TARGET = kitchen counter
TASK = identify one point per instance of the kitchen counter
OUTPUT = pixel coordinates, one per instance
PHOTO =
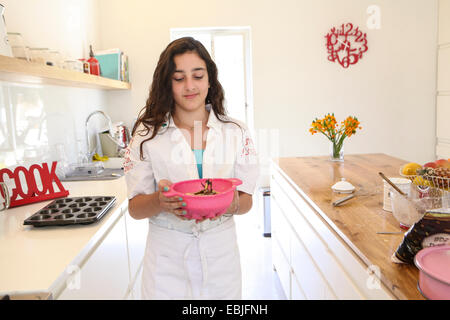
(36, 259)
(357, 221)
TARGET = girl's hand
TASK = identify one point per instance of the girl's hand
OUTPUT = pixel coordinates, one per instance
(234, 206)
(232, 209)
(173, 204)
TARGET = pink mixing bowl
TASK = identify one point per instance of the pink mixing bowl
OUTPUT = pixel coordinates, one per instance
(209, 206)
(434, 277)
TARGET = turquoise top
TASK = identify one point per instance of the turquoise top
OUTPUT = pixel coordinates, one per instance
(199, 158)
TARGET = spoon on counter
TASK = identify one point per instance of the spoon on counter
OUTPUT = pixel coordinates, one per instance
(388, 232)
(340, 201)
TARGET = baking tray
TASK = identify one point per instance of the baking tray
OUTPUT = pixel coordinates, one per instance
(72, 210)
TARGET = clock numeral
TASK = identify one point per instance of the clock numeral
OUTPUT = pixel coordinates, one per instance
(339, 44)
(350, 27)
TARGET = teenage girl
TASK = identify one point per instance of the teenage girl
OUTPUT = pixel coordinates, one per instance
(183, 133)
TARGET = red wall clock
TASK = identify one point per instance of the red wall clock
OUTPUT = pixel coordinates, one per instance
(346, 44)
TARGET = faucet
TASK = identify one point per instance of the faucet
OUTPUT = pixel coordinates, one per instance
(89, 152)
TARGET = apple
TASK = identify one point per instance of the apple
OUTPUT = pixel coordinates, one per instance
(430, 165)
(442, 163)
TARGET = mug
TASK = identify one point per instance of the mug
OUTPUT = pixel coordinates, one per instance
(5, 193)
(402, 183)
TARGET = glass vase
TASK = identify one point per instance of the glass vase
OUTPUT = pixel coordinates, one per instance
(336, 151)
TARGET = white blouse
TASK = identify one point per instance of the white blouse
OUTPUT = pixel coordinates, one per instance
(229, 153)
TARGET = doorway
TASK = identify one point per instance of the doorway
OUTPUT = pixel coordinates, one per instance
(230, 48)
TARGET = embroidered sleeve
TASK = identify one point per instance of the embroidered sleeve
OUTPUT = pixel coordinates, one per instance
(247, 163)
(139, 173)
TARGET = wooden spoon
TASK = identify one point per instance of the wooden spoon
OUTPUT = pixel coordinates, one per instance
(392, 184)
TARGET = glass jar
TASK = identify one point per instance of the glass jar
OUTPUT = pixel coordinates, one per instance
(79, 66)
(15, 39)
(74, 65)
(61, 157)
(18, 47)
(69, 64)
(20, 53)
(55, 58)
(39, 55)
(86, 67)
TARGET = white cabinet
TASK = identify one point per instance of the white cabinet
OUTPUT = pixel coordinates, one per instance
(281, 247)
(114, 269)
(442, 127)
(444, 21)
(320, 265)
(443, 70)
(296, 290)
(443, 82)
(134, 292)
(105, 274)
(442, 117)
(136, 238)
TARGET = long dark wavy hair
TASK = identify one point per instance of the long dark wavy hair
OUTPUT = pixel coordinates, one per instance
(161, 102)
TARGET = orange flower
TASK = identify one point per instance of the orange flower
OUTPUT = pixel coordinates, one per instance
(328, 126)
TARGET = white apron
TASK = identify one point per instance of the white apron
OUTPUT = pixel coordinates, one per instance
(198, 265)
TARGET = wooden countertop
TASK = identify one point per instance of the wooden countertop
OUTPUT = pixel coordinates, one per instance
(358, 220)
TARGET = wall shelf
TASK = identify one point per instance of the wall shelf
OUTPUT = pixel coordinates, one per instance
(18, 70)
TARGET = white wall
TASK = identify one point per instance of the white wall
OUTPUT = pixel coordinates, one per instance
(391, 90)
(443, 82)
(58, 112)
(69, 27)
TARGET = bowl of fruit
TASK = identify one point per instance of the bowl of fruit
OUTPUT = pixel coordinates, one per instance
(205, 198)
(432, 174)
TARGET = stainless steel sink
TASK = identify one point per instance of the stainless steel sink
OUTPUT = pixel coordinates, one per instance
(105, 174)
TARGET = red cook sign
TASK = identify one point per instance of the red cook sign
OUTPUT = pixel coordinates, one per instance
(30, 193)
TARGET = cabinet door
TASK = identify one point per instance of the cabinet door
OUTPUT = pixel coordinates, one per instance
(442, 116)
(442, 127)
(443, 83)
(281, 246)
(105, 274)
(307, 274)
(444, 21)
(296, 290)
(280, 227)
(137, 238)
(137, 285)
(443, 150)
(134, 292)
(281, 267)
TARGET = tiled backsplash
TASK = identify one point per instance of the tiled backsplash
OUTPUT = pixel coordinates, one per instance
(37, 120)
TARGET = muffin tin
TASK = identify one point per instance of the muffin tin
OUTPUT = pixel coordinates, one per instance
(74, 210)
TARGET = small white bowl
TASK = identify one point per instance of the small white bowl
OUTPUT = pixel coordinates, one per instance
(343, 187)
